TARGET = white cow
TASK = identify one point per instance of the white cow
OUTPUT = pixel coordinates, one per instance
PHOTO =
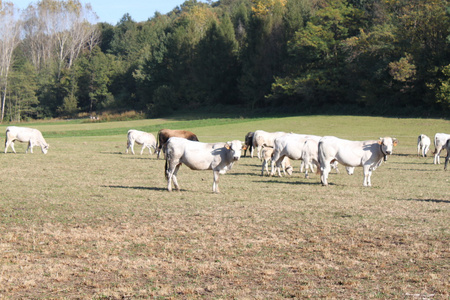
(290, 145)
(267, 153)
(368, 154)
(25, 135)
(439, 141)
(218, 157)
(423, 145)
(147, 140)
(261, 137)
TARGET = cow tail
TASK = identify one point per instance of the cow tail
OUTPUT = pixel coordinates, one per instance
(6, 138)
(165, 169)
(319, 169)
(157, 140)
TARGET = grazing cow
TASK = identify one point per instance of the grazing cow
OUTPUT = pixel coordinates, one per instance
(25, 135)
(423, 145)
(165, 134)
(267, 153)
(368, 154)
(447, 146)
(147, 140)
(248, 142)
(261, 137)
(218, 157)
(290, 145)
(439, 141)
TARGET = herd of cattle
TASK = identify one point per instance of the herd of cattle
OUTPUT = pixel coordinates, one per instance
(278, 148)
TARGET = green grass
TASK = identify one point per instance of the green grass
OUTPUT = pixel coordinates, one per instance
(87, 221)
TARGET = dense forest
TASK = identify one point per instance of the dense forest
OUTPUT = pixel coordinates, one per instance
(387, 57)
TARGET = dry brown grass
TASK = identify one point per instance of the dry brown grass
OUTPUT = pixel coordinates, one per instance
(86, 221)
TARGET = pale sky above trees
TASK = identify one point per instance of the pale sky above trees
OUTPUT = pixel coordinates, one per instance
(111, 11)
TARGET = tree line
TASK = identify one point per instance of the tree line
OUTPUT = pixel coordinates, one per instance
(374, 56)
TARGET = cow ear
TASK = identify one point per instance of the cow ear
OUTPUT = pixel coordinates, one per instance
(227, 146)
(380, 141)
(395, 141)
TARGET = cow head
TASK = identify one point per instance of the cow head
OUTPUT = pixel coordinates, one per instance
(387, 144)
(44, 148)
(235, 148)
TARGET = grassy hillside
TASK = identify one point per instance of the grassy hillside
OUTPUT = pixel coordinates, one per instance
(88, 221)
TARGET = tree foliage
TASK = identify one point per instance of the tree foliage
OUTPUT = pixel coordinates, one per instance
(380, 56)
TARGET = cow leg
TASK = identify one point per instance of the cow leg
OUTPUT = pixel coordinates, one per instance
(307, 166)
(367, 170)
(172, 176)
(143, 147)
(9, 143)
(132, 147)
(264, 166)
(216, 182)
(258, 151)
(436, 157)
(30, 147)
(446, 160)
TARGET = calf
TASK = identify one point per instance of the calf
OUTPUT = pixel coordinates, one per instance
(25, 135)
(147, 140)
(267, 153)
(218, 157)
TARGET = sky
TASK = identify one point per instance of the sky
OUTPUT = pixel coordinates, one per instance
(111, 11)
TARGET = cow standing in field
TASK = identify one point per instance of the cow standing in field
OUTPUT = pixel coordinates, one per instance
(248, 142)
(165, 134)
(368, 154)
(147, 140)
(291, 145)
(25, 135)
(423, 145)
(261, 137)
(218, 157)
(439, 142)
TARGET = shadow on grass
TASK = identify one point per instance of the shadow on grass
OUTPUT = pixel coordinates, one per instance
(426, 200)
(293, 182)
(135, 187)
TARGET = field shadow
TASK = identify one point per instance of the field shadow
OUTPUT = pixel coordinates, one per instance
(426, 200)
(291, 182)
(135, 187)
(243, 173)
(114, 153)
(139, 157)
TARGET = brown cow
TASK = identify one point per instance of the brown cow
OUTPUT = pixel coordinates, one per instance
(165, 134)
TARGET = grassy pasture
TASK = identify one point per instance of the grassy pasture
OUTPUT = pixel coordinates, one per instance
(87, 221)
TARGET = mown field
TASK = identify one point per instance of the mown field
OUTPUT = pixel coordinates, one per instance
(87, 221)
